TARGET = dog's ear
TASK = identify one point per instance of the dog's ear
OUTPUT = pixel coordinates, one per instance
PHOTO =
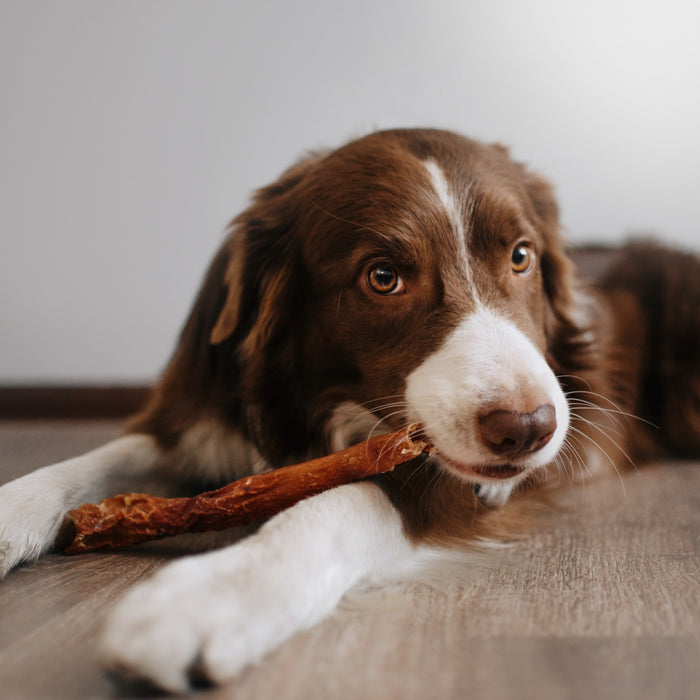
(233, 279)
(570, 311)
(261, 259)
(557, 268)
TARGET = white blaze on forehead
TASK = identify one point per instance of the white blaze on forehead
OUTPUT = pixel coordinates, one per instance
(451, 206)
(447, 199)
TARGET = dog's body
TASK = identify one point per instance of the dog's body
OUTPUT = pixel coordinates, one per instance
(412, 275)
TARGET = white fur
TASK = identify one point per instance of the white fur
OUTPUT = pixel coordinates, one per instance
(226, 609)
(451, 206)
(221, 454)
(485, 361)
(33, 506)
(448, 201)
(495, 493)
(351, 423)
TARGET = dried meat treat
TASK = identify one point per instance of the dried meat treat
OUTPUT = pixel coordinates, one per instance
(128, 519)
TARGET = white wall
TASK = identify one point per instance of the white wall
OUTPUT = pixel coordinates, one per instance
(131, 131)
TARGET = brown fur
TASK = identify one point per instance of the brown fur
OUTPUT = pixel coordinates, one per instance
(282, 332)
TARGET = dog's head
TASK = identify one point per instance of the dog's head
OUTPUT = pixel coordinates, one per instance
(411, 275)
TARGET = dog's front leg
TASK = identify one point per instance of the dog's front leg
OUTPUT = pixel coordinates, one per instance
(32, 507)
(216, 613)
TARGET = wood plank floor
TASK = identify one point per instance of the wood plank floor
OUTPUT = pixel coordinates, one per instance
(601, 601)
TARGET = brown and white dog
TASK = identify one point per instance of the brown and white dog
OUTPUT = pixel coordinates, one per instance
(412, 275)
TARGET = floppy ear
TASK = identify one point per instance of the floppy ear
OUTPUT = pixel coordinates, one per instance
(233, 279)
(570, 311)
(245, 297)
(261, 251)
(557, 268)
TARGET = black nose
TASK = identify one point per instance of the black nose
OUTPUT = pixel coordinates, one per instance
(512, 434)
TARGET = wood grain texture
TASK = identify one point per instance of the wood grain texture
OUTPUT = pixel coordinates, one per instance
(601, 600)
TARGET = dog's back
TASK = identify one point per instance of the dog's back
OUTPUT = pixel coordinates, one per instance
(651, 328)
(665, 286)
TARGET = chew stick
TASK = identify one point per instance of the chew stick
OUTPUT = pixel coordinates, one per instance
(128, 519)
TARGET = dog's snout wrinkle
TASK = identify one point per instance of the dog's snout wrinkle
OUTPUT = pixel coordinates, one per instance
(511, 434)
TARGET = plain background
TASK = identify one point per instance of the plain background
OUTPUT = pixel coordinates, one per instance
(131, 132)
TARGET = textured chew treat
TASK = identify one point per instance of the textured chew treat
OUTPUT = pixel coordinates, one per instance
(128, 519)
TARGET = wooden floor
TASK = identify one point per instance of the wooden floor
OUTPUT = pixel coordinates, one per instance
(601, 601)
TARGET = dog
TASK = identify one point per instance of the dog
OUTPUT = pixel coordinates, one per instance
(409, 276)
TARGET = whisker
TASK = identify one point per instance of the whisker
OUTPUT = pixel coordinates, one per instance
(337, 308)
(616, 409)
(597, 426)
(379, 399)
(560, 463)
(575, 459)
(359, 227)
(605, 454)
(419, 465)
(617, 428)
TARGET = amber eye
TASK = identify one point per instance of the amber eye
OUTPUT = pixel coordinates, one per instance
(522, 258)
(383, 279)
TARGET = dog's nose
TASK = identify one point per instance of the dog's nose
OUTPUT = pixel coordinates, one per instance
(512, 434)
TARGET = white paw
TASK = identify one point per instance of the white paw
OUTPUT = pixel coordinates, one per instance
(210, 616)
(32, 507)
(494, 494)
(205, 616)
(30, 516)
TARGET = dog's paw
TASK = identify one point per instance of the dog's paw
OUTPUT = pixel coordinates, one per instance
(201, 618)
(30, 517)
(493, 495)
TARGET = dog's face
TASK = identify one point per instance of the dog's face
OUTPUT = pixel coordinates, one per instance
(411, 276)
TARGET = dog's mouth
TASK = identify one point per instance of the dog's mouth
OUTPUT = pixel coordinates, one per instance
(500, 472)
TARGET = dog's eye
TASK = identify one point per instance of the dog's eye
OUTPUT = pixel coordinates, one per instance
(383, 279)
(522, 258)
